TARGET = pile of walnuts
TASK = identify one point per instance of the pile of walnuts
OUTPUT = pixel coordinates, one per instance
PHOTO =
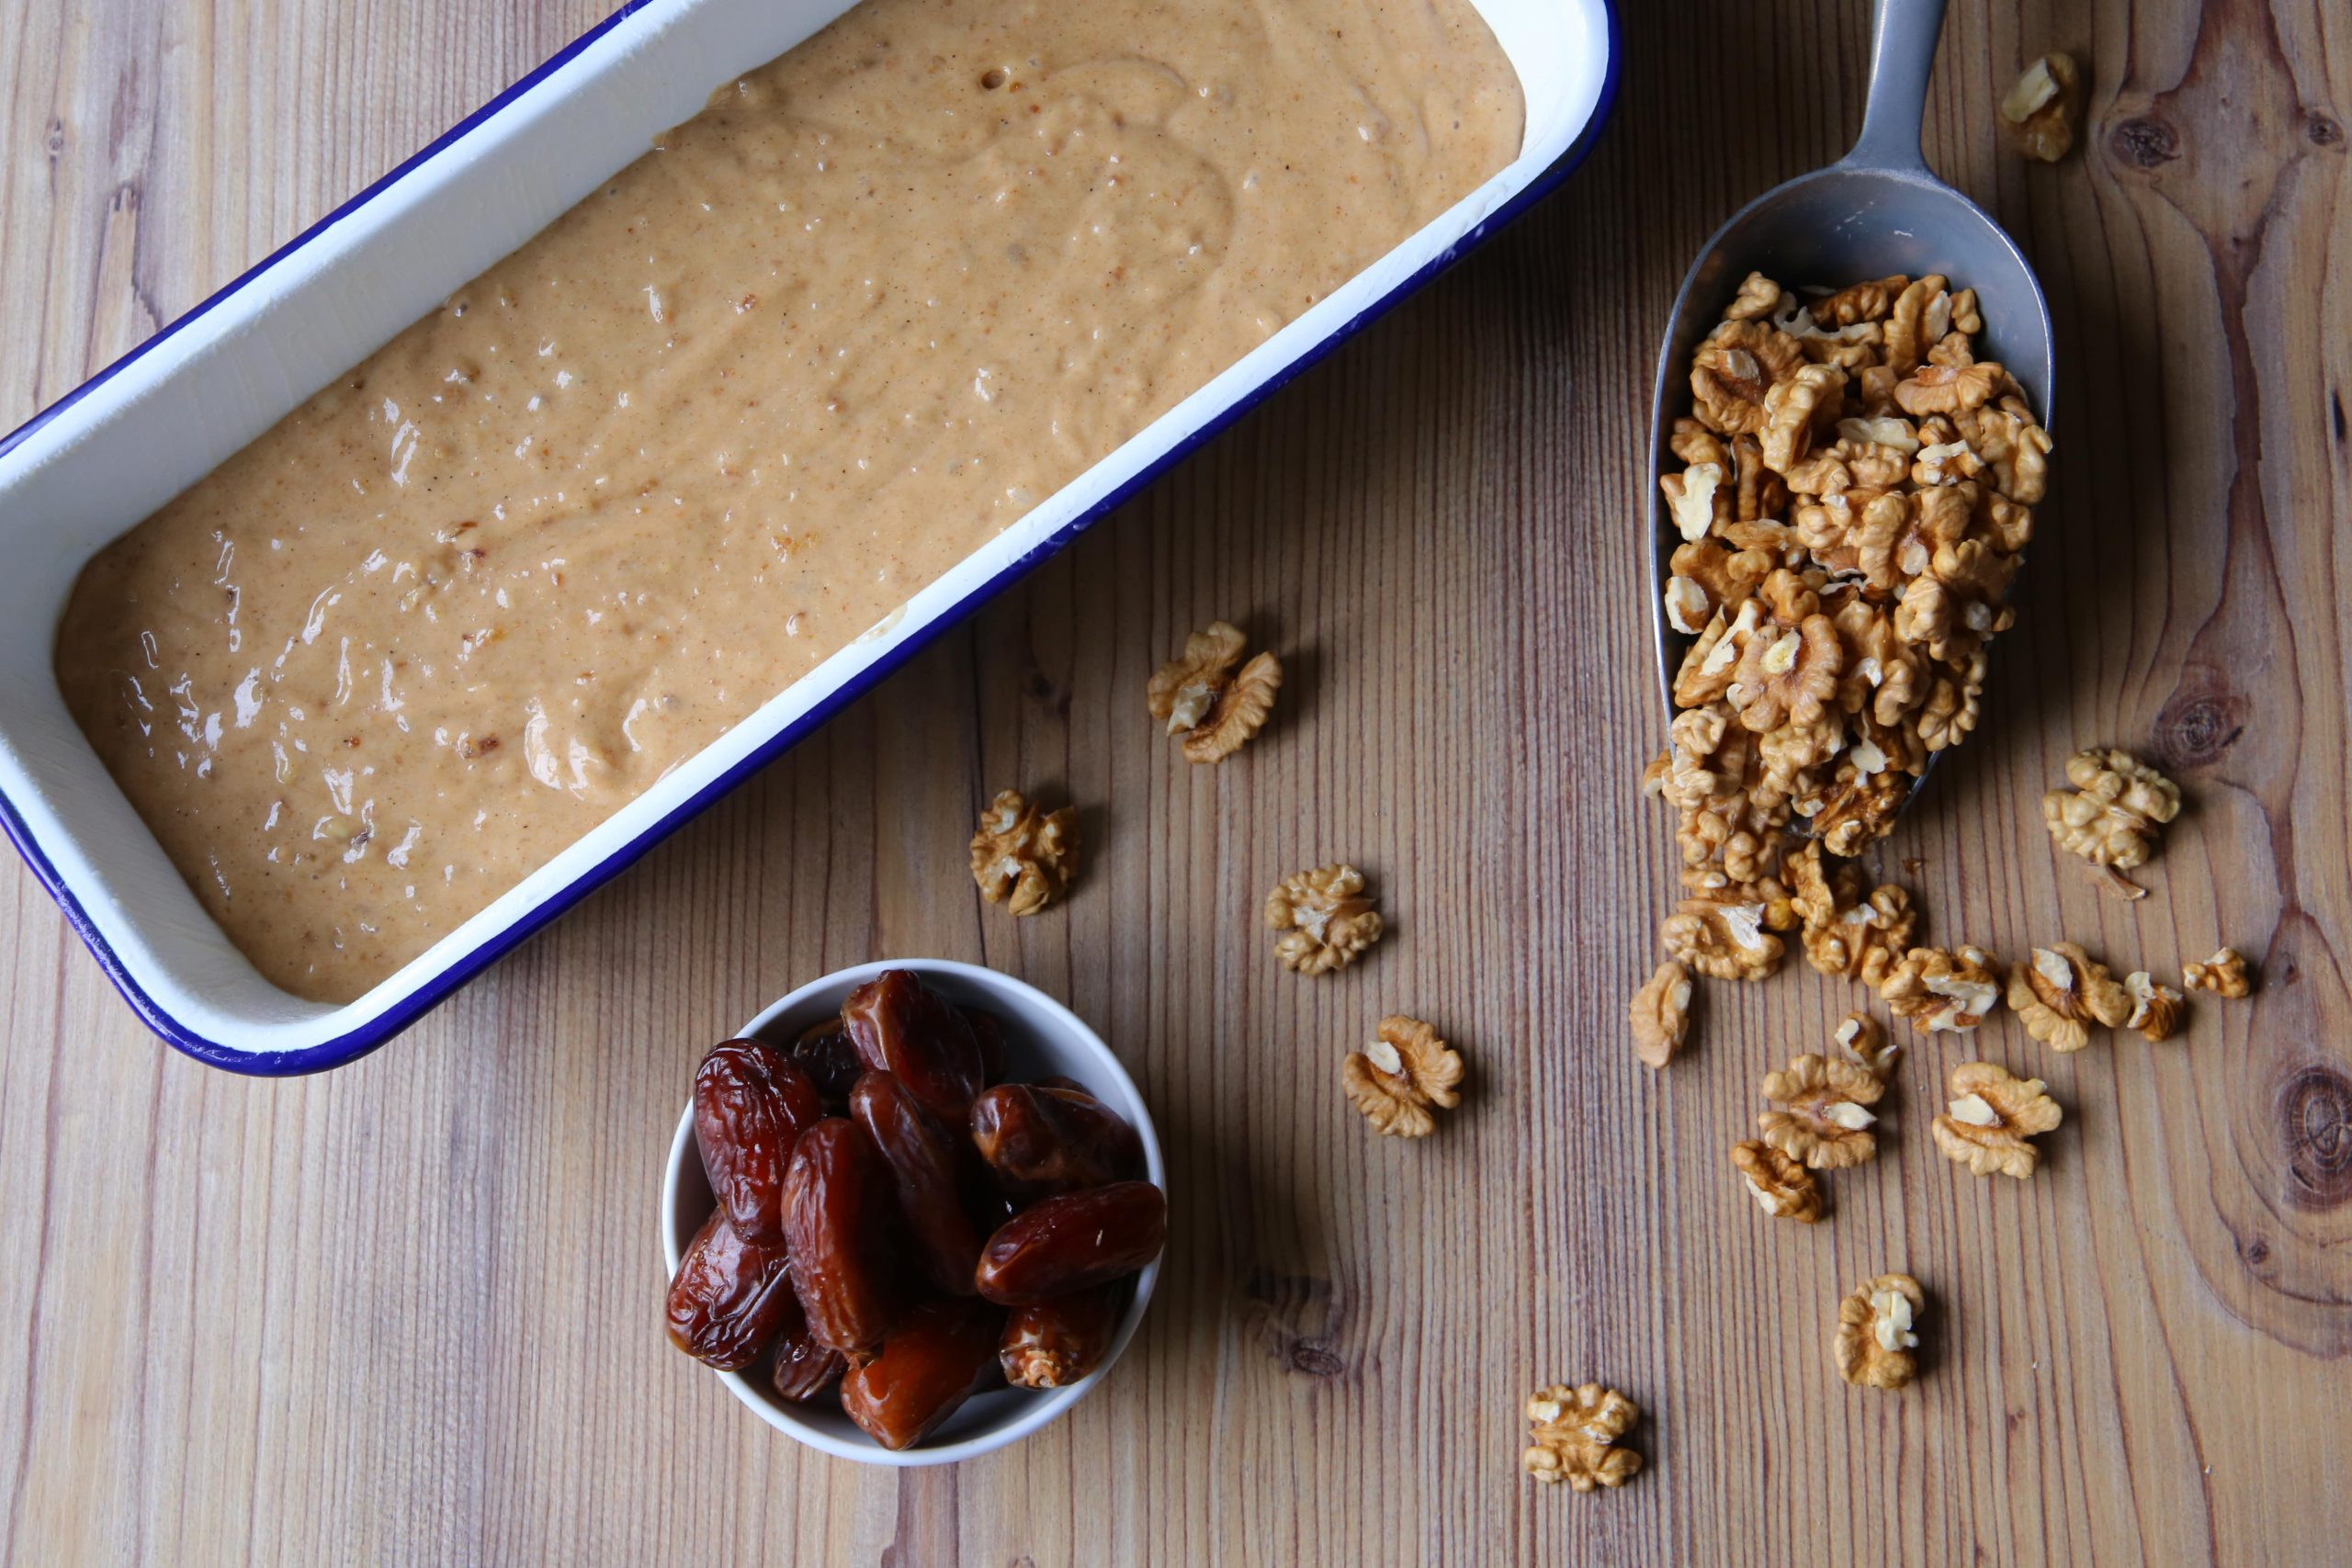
(1856, 493)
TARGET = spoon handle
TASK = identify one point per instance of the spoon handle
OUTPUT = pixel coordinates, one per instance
(1903, 53)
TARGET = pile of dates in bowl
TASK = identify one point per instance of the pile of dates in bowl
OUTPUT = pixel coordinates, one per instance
(896, 1231)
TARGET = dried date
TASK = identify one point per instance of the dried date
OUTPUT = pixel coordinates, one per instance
(751, 1107)
(728, 1297)
(988, 1033)
(1052, 1344)
(922, 1164)
(926, 1369)
(1072, 1243)
(805, 1365)
(836, 1214)
(902, 1027)
(1042, 1142)
(825, 1053)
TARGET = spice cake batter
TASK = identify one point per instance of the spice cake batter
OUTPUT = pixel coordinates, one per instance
(879, 298)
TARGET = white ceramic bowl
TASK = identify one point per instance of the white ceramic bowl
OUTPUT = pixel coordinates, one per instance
(1042, 1038)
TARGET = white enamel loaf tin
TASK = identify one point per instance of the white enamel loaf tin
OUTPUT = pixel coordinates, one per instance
(107, 456)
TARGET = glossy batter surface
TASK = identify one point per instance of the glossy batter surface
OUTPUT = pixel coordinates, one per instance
(879, 298)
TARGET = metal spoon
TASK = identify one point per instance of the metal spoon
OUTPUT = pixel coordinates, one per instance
(1877, 210)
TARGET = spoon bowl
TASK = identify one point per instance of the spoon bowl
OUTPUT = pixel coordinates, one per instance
(1876, 212)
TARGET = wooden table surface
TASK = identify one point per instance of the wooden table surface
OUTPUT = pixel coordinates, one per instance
(409, 1312)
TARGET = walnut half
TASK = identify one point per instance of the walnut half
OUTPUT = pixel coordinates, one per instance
(2155, 1007)
(1399, 1076)
(2223, 974)
(1660, 1014)
(1846, 936)
(1865, 1039)
(2041, 109)
(2115, 813)
(1021, 857)
(1877, 1331)
(1824, 1117)
(1574, 1435)
(1781, 1186)
(1722, 942)
(1325, 917)
(2062, 992)
(1935, 990)
(1201, 697)
(1991, 1115)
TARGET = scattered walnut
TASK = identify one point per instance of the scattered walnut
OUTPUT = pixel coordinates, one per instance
(1759, 296)
(1866, 1040)
(1734, 371)
(2014, 453)
(1654, 774)
(1866, 939)
(2223, 974)
(1709, 759)
(1873, 389)
(1575, 1433)
(1964, 317)
(1696, 499)
(1858, 804)
(1686, 604)
(1857, 302)
(1944, 461)
(1712, 664)
(2116, 812)
(1326, 918)
(1722, 576)
(1795, 409)
(2060, 991)
(1201, 697)
(1760, 496)
(1934, 989)
(1714, 884)
(1399, 1077)
(1877, 1332)
(1953, 351)
(1991, 1115)
(1781, 1186)
(2155, 1007)
(2041, 108)
(1825, 1120)
(1661, 1016)
(1882, 676)
(1722, 942)
(1845, 936)
(1787, 668)
(1947, 388)
(1021, 857)
(1906, 342)
(1694, 443)
(1953, 703)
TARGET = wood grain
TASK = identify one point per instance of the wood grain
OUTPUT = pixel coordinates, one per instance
(407, 1312)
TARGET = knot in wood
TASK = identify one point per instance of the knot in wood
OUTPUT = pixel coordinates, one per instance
(2315, 1120)
(1315, 1360)
(2194, 730)
(2145, 141)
